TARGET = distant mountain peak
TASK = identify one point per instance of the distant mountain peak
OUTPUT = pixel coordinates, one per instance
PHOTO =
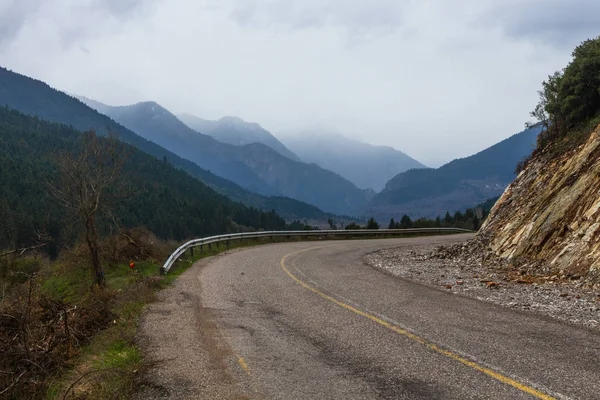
(233, 119)
(234, 130)
(148, 103)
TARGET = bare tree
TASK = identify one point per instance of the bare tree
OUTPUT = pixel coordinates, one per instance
(88, 185)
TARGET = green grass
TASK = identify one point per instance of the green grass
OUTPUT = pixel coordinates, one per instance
(119, 356)
(66, 284)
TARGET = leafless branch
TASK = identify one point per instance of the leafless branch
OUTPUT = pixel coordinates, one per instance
(23, 250)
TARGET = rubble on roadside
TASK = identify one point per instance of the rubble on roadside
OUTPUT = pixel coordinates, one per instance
(469, 269)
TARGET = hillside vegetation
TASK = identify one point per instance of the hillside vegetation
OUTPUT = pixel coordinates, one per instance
(569, 106)
(165, 200)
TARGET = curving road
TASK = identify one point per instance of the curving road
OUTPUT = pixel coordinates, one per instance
(312, 321)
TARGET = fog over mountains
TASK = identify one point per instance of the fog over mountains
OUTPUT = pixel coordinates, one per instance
(365, 165)
(254, 166)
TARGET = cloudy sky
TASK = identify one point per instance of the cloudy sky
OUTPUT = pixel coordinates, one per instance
(438, 79)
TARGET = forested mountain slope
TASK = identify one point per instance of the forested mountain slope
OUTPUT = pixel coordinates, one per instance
(163, 199)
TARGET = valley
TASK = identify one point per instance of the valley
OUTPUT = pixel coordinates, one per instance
(232, 200)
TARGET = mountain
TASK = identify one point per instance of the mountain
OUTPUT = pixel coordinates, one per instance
(236, 131)
(458, 184)
(156, 124)
(164, 199)
(255, 166)
(34, 97)
(365, 165)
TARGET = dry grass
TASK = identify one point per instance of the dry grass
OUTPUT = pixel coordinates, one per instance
(62, 337)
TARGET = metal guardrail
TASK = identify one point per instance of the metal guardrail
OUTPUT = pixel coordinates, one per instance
(271, 234)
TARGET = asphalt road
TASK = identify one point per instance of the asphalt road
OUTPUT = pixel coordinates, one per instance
(312, 321)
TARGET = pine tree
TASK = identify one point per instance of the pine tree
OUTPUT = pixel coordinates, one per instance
(406, 222)
(372, 224)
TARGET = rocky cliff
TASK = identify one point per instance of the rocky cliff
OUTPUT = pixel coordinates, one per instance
(548, 220)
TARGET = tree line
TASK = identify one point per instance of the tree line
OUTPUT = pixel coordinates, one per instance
(471, 218)
(569, 101)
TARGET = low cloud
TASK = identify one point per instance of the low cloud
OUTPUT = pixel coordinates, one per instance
(557, 23)
(71, 21)
(358, 17)
(13, 15)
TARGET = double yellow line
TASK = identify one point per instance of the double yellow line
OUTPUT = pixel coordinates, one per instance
(496, 375)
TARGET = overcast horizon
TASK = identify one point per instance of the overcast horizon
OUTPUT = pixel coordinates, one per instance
(434, 80)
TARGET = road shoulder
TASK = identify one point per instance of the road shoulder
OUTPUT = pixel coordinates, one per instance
(179, 338)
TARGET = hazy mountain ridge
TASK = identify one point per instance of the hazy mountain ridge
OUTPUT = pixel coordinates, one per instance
(255, 166)
(365, 165)
(236, 131)
(35, 97)
(153, 122)
(458, 184)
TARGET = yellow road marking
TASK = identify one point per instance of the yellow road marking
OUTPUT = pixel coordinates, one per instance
(496, 375)
(243, 365)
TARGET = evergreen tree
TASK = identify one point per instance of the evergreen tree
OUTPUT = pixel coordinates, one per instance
(458, 216)
(372, 224)
(392, 224)
(352, 226)
(448, 219)
(570, 98)
(406, 222)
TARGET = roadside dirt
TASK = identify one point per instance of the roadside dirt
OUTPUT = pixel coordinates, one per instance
(178, 335)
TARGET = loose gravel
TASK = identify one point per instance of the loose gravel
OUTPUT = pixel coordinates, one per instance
(469, 270)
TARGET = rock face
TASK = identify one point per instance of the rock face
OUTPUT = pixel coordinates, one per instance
(548, 219)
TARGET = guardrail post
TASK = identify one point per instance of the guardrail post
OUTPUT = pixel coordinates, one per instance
(161, 271)
(210, 246)
(227, 243)
(192, 252)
